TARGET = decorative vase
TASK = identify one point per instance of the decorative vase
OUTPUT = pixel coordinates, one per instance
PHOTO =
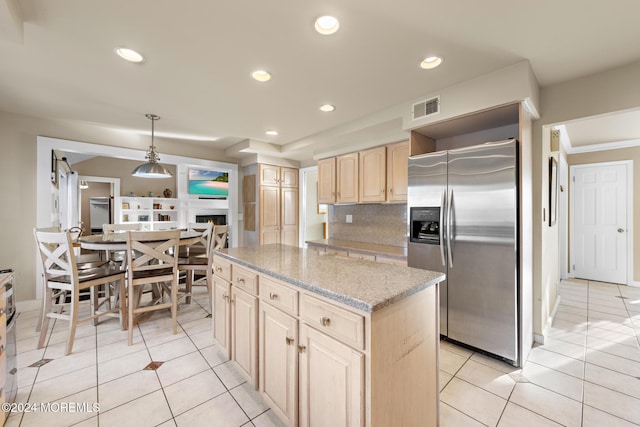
(167, 193)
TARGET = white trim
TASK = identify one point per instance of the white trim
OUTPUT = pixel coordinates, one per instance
(540, 338)
(604, 146)
(563, 216)
(629, 166)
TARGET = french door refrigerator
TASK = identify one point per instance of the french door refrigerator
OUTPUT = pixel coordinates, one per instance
(463, 221)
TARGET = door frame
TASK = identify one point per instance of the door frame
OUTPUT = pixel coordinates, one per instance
(563, 217)
(629, 167)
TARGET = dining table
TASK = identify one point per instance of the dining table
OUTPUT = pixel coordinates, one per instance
(118, 241)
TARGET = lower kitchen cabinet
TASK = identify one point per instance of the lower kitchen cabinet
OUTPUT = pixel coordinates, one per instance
(331, 381)
(221, 313)
(279, 362)
(319, 362)
(244, 333)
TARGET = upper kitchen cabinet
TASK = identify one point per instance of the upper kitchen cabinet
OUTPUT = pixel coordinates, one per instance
(347, 178)
(327, 180)
(373, 176)
(397, 174)
(278, 176)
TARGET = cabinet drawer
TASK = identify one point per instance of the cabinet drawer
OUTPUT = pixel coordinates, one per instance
(222, 268)
(279, 295)
(362, 256)
(335, 321)
(245, 279)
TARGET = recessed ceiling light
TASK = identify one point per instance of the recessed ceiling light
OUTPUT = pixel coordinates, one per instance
(431, 62)
(272, 132)
(129, 54)
(261, 75)
(326, 25)
(327, 108)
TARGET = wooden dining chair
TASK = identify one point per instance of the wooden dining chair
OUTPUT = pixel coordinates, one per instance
(63, 282)
(196, 258)
(119, 256)
(156, 263)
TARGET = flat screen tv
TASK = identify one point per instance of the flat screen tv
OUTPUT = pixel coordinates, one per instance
(208, 183)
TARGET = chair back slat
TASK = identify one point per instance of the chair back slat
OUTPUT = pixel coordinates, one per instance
(115, 228)
(205, 238)
(153, 249)
(56, 254)
(220, 233)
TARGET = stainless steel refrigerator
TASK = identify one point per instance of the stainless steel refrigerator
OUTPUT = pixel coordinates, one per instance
(463, 221)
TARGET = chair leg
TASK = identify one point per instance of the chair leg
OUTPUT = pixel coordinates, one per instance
(188, 284)
(130, 306)
(174, 302)
(94, 296)
(73, 322)
(123, 305)
(44, 319)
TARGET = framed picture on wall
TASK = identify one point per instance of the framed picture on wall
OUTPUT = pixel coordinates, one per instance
(553, 191)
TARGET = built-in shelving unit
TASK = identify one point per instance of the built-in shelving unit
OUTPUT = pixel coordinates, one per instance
(153, 213)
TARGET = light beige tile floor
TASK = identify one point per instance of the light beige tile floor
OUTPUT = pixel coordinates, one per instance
(586, 374)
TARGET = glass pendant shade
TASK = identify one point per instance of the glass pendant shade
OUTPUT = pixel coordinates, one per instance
(152, 169)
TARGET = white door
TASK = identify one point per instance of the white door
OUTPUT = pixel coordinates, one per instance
(599, 218)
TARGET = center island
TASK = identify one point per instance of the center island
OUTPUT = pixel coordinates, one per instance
(330, 340)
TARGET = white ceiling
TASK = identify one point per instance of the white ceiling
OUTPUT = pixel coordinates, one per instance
(58, 59)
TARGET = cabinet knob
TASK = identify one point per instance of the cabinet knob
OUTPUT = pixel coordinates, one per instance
(290, 341)
(240, 280)
(301, 349)
(325, 321)
(382, 191)
(273, 296)
(226, 297)
(390, 190)
(218, 268)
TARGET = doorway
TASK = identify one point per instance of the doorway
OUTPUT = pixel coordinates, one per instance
(313, 217)
(601, 216)
(96, 202)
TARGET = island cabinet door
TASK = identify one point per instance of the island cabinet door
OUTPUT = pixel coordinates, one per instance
(331, 381)
(278, 362)
(221, 313)
(244, 333)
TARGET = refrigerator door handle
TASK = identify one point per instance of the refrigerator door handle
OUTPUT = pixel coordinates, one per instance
(449, 228)
(443, 206)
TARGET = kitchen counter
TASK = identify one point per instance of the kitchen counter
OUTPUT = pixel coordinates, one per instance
(399, 252)
(364, 285)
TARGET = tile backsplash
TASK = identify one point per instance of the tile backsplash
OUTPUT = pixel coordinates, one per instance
(371, 223)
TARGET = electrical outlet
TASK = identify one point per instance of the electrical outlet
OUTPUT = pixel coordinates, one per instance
(349, 219)
(335, 219)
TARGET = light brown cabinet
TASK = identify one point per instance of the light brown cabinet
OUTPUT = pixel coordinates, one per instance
(397, 171)
(371, 176)
(278, 205)
(278, 176)
(331, 381)
(327, 181)
(347, 178)
(323, 363)
(244, 333)
(279, 362)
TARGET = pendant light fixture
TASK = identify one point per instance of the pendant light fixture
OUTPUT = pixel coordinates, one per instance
(151, 169)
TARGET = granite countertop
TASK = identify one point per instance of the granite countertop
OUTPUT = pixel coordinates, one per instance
(374, 248)
(364, 285)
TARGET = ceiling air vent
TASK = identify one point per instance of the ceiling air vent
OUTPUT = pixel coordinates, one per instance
(426, 108)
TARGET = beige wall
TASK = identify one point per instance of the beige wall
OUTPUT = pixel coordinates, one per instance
(612, 156)
(18, 181)
(609, 91)
(121, 168)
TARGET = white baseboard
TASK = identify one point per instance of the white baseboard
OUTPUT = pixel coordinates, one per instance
(634, 283)
(34, 304)
(540, 338)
